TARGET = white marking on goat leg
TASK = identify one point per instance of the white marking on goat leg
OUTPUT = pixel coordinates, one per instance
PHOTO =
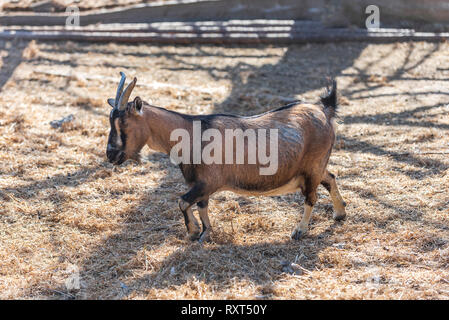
(303, 226)
(337, 201)
(193, 229)
(207, 228)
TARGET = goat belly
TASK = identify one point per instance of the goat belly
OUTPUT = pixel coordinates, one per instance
(292, 186)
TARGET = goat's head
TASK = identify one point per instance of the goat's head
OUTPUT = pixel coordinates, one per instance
(128, 130)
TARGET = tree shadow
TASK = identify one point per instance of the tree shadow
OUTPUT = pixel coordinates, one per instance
(11, 60)
(73, 179)
(399, 74)
(407, 213)
(403, 118)
(428, 166)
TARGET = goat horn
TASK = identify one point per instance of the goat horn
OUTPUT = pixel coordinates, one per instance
(125, 96)
(120, 89)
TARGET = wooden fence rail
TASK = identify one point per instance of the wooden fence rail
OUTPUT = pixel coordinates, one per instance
(234, 31)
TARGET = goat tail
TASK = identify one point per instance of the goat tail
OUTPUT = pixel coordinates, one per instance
(329, 100)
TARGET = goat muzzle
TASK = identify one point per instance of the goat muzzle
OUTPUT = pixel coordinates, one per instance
(115, 156)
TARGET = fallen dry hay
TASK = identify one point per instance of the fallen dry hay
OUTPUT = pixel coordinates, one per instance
(65, 208)
(61, 5)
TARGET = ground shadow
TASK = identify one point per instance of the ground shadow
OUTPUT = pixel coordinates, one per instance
(11, 60)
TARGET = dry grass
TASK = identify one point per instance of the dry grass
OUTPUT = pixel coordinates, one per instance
(64, 206)
(61, 5)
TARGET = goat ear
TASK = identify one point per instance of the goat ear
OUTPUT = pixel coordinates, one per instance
(138, 104)
(111, 102)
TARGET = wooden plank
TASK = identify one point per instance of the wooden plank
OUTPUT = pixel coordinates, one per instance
(181, 10)
(345, 13)
(186, 27)
(325, 35)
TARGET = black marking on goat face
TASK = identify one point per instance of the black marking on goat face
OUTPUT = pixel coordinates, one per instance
(326, 185)
(115, 150)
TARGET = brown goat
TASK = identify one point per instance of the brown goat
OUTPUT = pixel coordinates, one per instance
(305, 136)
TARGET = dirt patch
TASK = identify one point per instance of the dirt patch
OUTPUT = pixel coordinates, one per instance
(65, 208)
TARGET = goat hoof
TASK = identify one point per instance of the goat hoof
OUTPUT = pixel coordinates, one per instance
(297, 234)
(204, 237)
(194, 236)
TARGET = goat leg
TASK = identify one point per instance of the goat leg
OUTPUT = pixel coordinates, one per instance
(207, 228)
(311, 185)
(330, 183)
(196, 194)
